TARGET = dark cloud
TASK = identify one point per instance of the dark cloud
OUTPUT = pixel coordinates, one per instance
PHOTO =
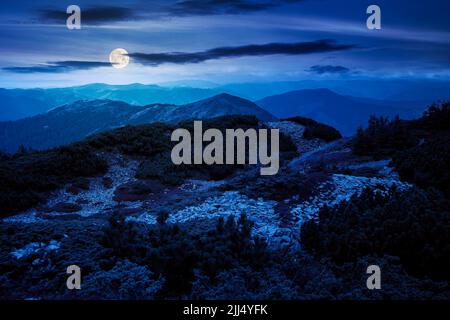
(155, 59)
(216, 7)
(59, 67)
(321, 69)
(162, 9)
(93, 15)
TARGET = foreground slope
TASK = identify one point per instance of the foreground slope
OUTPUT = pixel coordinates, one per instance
(141, 228)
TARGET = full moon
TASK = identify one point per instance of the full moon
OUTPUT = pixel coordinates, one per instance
(119, 58)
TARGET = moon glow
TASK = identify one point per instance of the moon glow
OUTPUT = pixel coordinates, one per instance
(119, 58)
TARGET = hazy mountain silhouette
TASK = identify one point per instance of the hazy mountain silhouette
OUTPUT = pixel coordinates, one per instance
(342, 112)
(219, 105)
(20, 103)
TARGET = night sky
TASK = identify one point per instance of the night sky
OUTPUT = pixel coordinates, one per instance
(222, 41)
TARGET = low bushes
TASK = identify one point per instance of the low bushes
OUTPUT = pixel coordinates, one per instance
(427, 164)
(316, 130)
(26, 178)
(174, 254)
(420, 149)
(383, 137)
(125, 281)
(142, 140)
(413, 226)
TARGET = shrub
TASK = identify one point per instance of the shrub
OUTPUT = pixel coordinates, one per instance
(244, 283)
(426, 165)
(4, 156)
(383, 137)
(250, 274)
(302, 121)
(420, 149)
(159, 166)
(119, 235)
(323, 132)
(126, 280)
(436, 117)
(141, 140)
(27, 178)
(316, 130)
(413, 226)
(163, 215)
(276, 187)
(174, 254)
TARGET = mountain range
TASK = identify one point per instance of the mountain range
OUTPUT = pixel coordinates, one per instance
(345, 113)
(20, 103)
(74, 121)
(43, 118)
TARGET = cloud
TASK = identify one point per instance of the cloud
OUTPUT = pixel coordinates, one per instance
(217, 7)
(321, 69)
(92, 15)
(155, 59)
(58, 67)
(162, 9)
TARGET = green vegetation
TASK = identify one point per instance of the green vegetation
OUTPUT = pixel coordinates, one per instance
(420, 149)
(437, 117)
(174, 254)
(427, 164)
(383, 137)
(293, 184)
(177, 262)
(413, 226)
(142, 140)
(160, 167)
(406, 234)
(316, 130)
(28, 177)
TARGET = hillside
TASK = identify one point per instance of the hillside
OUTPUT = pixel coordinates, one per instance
(219, 105)
(77, 120)
(342, 112)
(116, 203)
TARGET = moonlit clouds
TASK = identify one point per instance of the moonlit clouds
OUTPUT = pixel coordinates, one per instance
(414, 43)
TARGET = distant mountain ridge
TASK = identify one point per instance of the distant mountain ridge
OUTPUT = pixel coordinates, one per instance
(20, 103)
(342, 112)
(79, 119)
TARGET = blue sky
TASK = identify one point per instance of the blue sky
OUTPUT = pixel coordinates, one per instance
(222, 41)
